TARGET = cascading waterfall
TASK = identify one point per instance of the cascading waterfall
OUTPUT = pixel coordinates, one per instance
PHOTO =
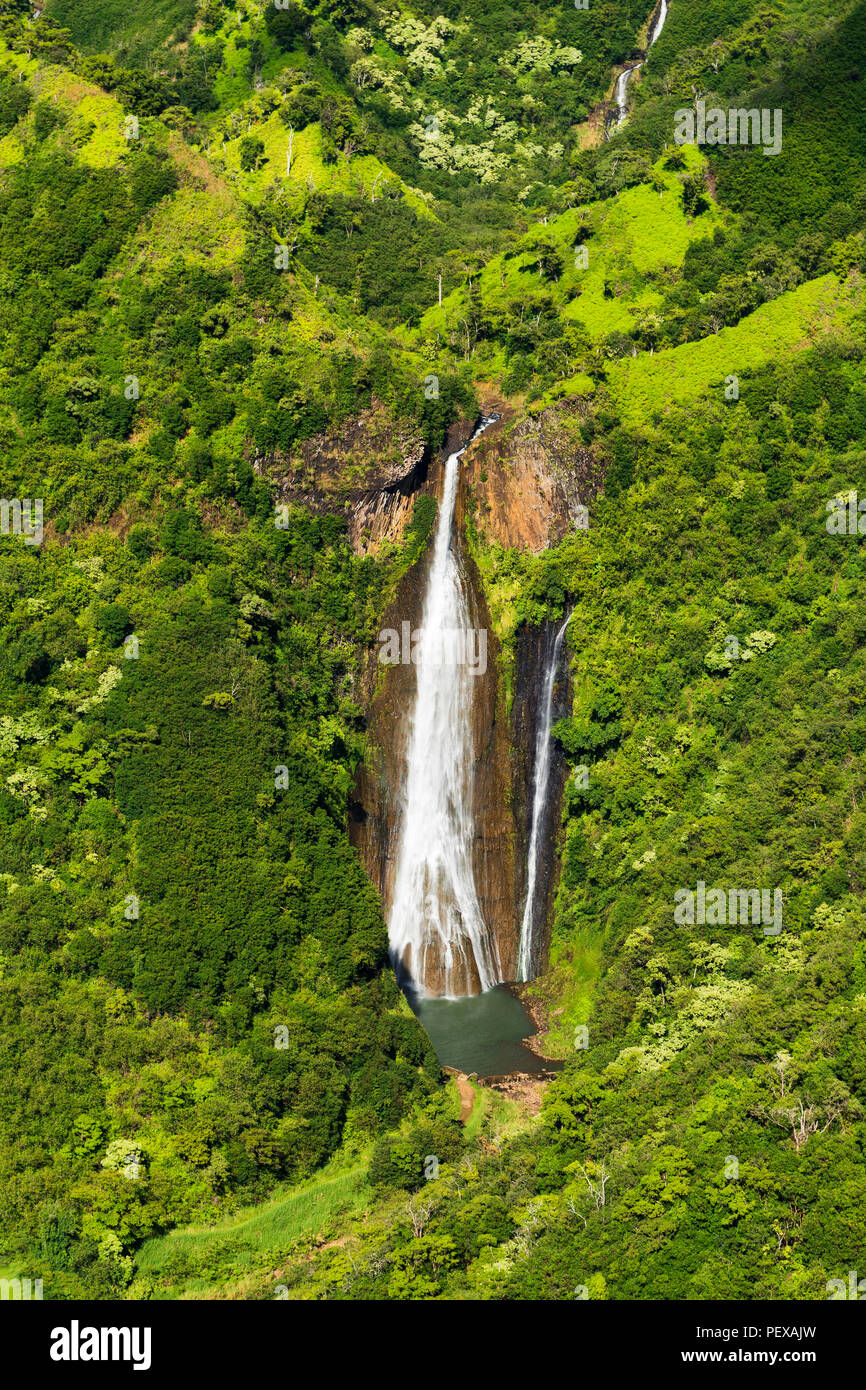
(659, 24)
(435, 925)
(541, 780)
(620, 94)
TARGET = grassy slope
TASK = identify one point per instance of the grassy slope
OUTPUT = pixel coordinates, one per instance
(100, 26)
(363, 174)
(645, 384)
(635, 243)
(638, 235)
(96, 118)
(272, 1225)
(244, 1247)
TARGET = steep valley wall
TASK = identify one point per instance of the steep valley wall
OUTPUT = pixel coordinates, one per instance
(523, 481)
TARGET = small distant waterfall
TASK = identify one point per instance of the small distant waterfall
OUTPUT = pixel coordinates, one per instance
(620, 94)
(540, 792)
(435, 925)
(659, 24)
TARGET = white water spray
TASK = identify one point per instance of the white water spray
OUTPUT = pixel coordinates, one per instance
(541, 778)
(435, 925)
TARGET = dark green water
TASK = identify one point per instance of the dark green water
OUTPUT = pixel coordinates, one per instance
(481, 1034)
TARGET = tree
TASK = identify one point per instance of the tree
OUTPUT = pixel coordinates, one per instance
(252, 152)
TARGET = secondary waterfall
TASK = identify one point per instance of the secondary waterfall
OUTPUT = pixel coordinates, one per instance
(541, 779)
(620, 94)
(659, 24)
(435, 925)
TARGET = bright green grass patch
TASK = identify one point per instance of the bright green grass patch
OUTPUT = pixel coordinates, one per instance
(635, 239)
(649, 228)
(637, 236)
(93, 117)
(232, 85)
(492, 1108)
(358, 175)
(201, 225)
(11, 149)
(22, 61)
(12, 146)
(580, 385)
(273, 1225)
(90, 110)
(107, 144)
(570, 979)
(642, 386)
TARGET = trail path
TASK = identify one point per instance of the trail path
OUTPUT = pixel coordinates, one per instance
(468, 1095)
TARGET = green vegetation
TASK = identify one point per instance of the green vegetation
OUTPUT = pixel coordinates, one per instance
(273, 1226)
(722, 1074)
(642, 385)
(98, 26)
(227, 233)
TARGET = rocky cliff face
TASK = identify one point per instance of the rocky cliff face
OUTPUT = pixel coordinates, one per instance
(371, 468)
(523, 481)
(526, 478)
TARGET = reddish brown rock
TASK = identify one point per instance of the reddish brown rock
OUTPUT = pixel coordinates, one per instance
(525, 479)
(522, 481)
(370, 467)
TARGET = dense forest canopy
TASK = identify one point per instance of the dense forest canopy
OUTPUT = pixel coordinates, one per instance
(229, 229)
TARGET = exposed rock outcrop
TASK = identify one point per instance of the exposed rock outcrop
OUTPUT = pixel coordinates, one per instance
(523, 482)
(526, 480)
(371, 468)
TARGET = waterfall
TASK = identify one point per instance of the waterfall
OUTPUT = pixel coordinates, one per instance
(540, 787)
(659, 24)
(435, 925)
(620, 94)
